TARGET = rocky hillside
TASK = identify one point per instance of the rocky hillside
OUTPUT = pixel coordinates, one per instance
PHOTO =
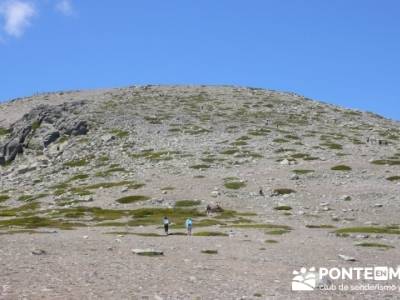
(116, 161)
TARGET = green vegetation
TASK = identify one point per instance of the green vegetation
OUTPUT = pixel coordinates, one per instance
(209, 251)
(35, 125)
(393, 178)
(168, 188)
(283, 191)
(280, 141)
(152, 155)
(210, 233)
(379, 230)
(389, 162)
(320, 226)
(200, 166)
(110, 171)
(78, 177)
(283, 207)
(4, 131)
(332, 146)
(77, 163)
(154, 216)
(23, 210)
(185, 203)
(259, 132)
(4, 198)
(233, 183)
(29, 198)
(374, 245)
(37, 222)
(341, 168)
(132, 199)
(271, 241)
(120, 133)
(277, 232)
(148, 234)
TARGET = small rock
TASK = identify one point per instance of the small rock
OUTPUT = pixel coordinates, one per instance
(294, 177)
(347, 258)
(38, 252)
(378, 205)
(215, 194)
(148, 252)
(345, 198)
(285, 162)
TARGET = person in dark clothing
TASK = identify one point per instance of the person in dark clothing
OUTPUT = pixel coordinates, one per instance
(166, 224)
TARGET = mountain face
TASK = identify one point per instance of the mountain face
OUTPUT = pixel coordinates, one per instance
(123, 158)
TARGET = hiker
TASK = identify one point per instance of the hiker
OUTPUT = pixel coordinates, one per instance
(189, 225)
(208, 209)
(260, 192)
(166, 224)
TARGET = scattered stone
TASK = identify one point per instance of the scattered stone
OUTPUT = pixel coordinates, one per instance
(38, 252)
(215, 194)
(148, 252)
(345, 198)
(346, 258)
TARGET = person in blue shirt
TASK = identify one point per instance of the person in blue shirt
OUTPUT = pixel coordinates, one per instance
(189, 225)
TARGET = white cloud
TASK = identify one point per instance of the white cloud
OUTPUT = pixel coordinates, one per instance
(65, 7)
(17, 16)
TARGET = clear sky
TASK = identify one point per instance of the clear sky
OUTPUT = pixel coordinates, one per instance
(345, 52)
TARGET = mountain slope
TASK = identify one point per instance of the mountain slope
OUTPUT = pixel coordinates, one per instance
(117, 160)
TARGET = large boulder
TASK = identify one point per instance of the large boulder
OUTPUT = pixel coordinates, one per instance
(41, 127)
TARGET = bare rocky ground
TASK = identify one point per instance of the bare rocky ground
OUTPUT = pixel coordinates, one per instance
(87, 176)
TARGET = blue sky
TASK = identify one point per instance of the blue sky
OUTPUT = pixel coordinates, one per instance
(338, 51)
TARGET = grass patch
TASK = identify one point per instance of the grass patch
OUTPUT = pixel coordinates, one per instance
(271, 241)
(210, 233)
(30, 198)
(168, 188)
(148, 234)
(234, 184)
(341, 168)
(185, 203)
(393, 178)
(154, 216)
(321, 226)
(132, 199)
(152, 155)
(4, 198)
(374, 245)
(283, 207)
(200, 167)
(332, 146)
(78, 177)
(209, 251)
(120, 133)
(277, 232)
(37, 222)
(77, 163)
(110, 171)
(379, 230)
(283, 191)
(389, 162)
(4, 131)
